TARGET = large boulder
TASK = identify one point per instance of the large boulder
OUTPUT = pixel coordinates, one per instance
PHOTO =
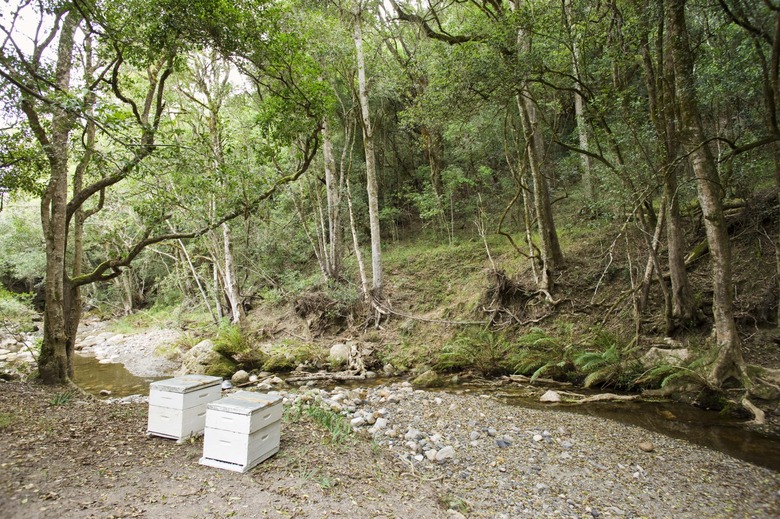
(339, 353)
(674, 357)
(203, 360)
(428, 379)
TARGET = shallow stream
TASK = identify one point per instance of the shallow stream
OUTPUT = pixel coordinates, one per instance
(92, 376)
(707, 428)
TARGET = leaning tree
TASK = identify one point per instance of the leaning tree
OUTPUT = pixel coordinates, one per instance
(88, 82)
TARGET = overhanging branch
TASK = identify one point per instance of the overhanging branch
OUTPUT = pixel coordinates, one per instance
(110, 269)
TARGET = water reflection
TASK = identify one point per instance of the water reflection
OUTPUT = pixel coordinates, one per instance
(92, 376)
(682, 421)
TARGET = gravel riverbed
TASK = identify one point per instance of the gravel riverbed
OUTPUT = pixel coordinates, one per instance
(494, 460)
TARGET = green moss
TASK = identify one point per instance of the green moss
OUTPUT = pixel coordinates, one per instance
(225, 367)
(287, 355)
(428, 379)
(253, 358)
(279, 362)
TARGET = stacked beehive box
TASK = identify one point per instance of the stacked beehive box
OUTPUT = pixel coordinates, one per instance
(242, 430)
(177, 406)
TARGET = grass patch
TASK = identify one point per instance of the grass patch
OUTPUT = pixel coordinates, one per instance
(230, 340)
(162, 317)
(62, 398)
(336, 424)
(6, 419)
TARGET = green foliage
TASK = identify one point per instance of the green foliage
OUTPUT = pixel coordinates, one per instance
(608, 365)
(6, 419)
(230, 340)
(62, 398)
(15, 308)
(22, 162)
(663, 375)
(483, 350)
(21, 243)
(541, 353)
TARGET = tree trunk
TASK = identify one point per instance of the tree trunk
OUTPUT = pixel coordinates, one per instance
(333, 188)
(660, 81)
(371, 174)
(550, 249)
(433, 144)
(579, 110)
(54, 364)
(237, 313)
(729, 362)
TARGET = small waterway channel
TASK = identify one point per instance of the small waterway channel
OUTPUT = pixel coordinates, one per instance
(93, 376)
(707, 428)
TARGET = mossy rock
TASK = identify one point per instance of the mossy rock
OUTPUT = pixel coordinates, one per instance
(202, 358)
(428, 379)
(279, 362)
(224, 368)
(253, 358)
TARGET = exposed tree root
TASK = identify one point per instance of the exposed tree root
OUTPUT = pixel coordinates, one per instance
(759, 418)
(603, 397)
(338, 376)
(522, 379)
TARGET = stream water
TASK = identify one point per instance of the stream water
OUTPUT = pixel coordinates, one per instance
(92, 376)
(707, 428)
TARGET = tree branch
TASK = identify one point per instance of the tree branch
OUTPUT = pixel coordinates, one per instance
(110, 269)
(429, 32)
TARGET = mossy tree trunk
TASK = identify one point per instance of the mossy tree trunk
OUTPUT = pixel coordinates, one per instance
(729, 361)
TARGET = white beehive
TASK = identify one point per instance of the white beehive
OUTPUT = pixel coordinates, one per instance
(177, 406)
(242, 430)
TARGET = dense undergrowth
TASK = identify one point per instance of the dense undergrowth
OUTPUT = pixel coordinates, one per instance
(470, 306)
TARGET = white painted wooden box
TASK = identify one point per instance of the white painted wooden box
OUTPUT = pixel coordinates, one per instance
(242, 430)
(177, 406)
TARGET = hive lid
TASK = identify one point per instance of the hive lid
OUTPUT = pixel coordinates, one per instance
(185, 383)
(244, 402)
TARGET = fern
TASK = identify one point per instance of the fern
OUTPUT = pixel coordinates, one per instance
(603, 367)
(665, 374)
(230, 340)
(543, 353)
(484, 351)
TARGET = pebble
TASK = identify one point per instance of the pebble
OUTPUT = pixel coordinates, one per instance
(445, 453)
(647, 446)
